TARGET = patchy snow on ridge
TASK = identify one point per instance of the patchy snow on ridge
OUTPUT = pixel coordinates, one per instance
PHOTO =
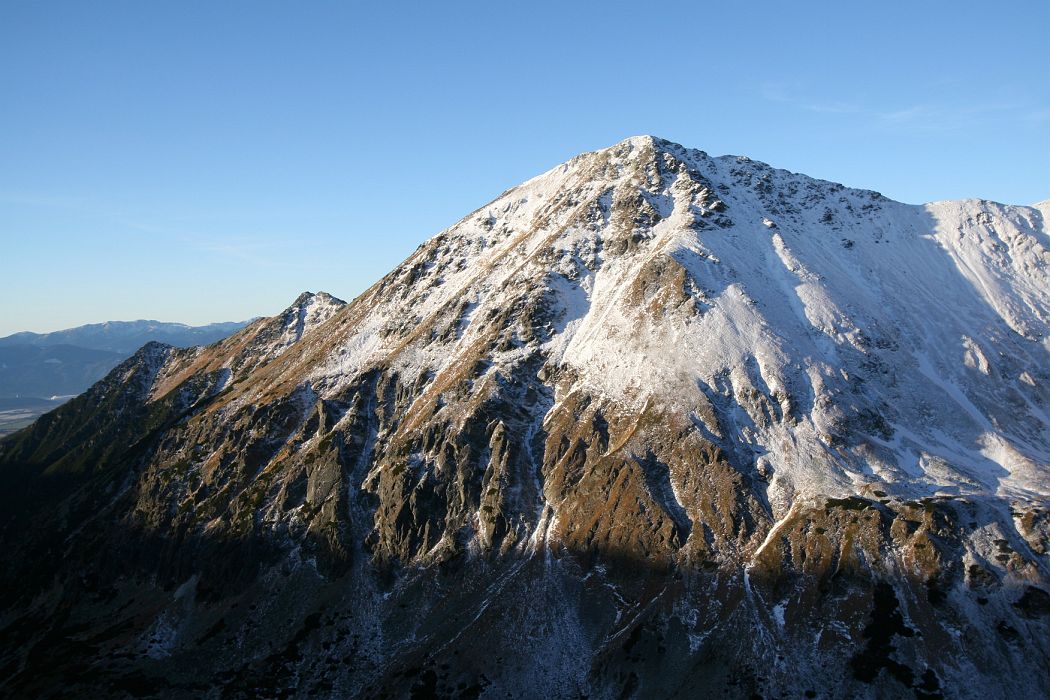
(841, 338)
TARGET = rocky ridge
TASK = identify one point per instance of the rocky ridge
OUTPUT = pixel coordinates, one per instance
(650, 424)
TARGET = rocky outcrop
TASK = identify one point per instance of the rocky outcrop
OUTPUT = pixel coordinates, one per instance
(635, 429)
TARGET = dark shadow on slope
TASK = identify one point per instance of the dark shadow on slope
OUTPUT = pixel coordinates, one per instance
(92, 595)
(263, 624)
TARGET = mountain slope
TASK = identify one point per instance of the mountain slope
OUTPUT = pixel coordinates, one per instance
(57, 370)
(688, 424)
(40, 371)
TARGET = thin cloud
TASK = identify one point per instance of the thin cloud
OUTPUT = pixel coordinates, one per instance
(787, 94)
(1038, 116)
(262, 250)
(32, 199)
(259, 253)
(914, 117)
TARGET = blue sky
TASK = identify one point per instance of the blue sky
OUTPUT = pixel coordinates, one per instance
(206, 161)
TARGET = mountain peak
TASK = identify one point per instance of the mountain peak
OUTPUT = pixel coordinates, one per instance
(318, 297)
(760, 276)
(644, 147)
(643, 141)
(740, 412)
(649, 141)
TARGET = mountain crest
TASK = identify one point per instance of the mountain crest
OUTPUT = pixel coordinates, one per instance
(668, 413)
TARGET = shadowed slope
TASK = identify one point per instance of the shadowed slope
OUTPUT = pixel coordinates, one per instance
(652, 423)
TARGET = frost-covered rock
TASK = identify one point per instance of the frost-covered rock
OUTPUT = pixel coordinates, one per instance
(652, 423)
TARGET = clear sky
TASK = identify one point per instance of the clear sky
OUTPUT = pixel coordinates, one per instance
(204, 161)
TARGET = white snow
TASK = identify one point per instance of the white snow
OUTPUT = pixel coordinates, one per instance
(778, 613)
(910, 343)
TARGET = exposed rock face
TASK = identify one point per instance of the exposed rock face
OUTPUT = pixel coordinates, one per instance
(652, 424)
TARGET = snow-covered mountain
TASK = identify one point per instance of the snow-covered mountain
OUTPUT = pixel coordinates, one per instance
(850, 340)
(651, 424)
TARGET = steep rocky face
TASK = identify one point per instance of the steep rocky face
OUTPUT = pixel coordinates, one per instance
(650, 424)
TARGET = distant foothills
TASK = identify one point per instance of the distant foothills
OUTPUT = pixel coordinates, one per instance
(39, 371)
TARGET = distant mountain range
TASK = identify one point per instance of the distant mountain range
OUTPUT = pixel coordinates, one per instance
(38, 371)
(125, 337)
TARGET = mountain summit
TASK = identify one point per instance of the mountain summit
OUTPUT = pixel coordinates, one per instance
(690, 425)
